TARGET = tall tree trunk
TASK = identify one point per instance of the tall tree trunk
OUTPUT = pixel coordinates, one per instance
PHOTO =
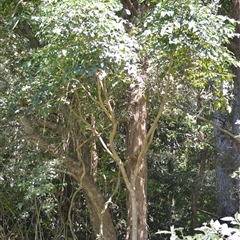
(228, 155)
(226, 162)
(137, 167)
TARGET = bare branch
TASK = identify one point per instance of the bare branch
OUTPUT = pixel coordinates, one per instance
(208, 213)
(48, 124)
(16, 8)
(233, 137)
(111, 115)
(100, 86)
(150, 134)
(71, 164)
(132, 6)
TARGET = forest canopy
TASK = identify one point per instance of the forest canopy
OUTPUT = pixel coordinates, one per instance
(116, 117)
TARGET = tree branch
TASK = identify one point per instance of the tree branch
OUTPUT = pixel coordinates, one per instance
(48, 124)
(233, 137)
(132, 6)
(150, 134)
(111, 115)
(33, 136)
(208, 213)
(26, 31)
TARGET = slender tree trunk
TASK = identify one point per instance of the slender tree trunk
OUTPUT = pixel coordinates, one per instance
(171, 195)
(94, 155)
(197, 188)
(137, 168)
(227, 153)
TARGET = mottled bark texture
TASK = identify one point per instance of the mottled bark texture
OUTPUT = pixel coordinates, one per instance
(227, 151)
(137, 167)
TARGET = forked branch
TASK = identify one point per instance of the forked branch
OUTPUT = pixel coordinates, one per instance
(233, 137)
(150, 134)
(109, 111)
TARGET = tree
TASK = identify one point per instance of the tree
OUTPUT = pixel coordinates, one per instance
(227, 145)
(82, 60)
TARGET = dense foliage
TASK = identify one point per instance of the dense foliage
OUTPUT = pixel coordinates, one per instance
(67, 72)
(214, 230)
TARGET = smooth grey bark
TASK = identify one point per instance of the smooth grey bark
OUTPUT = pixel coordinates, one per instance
(226, 162)
(227, 158)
